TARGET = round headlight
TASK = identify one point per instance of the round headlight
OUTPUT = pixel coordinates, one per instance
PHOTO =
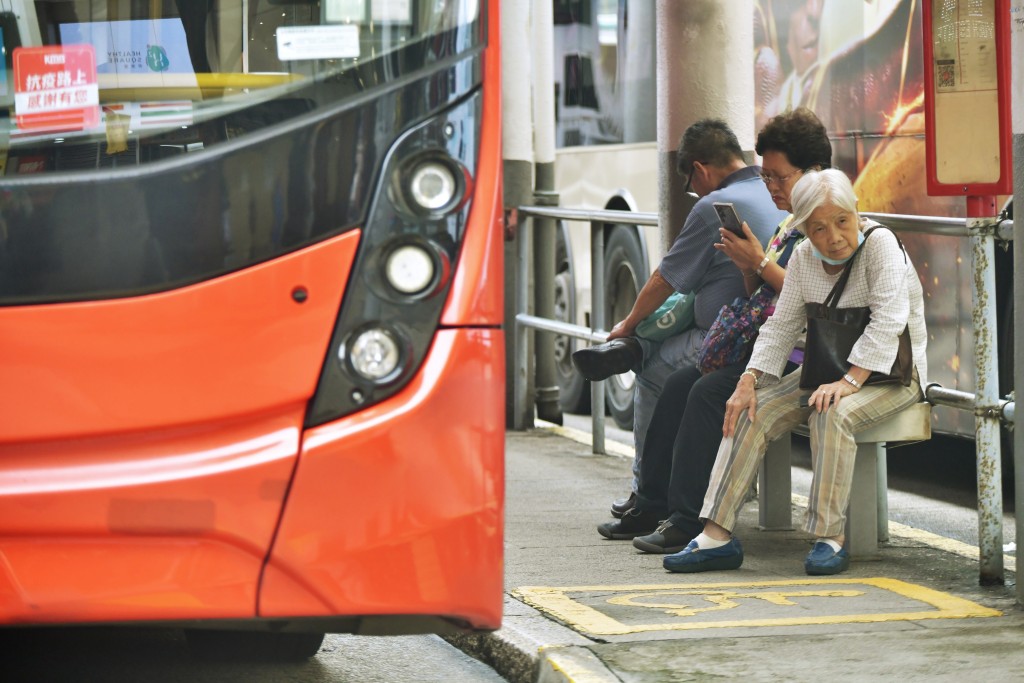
(374, 354)
(432, 185)
(409, 268)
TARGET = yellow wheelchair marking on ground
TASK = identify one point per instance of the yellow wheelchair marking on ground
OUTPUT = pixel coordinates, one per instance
(723, 599)
(689, 605)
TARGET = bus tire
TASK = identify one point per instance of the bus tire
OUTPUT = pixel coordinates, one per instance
(214, 645)
(623, 278)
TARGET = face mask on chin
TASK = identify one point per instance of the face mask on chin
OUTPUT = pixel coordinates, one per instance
(838, 262)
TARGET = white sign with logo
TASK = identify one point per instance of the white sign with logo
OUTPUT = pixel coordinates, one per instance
(317, 42)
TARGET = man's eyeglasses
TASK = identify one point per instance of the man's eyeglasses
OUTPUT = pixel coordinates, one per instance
(778, 179)
(689, 178)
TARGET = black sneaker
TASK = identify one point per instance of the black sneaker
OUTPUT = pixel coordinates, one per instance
(634, 523)
(621, 506)
(667, 538)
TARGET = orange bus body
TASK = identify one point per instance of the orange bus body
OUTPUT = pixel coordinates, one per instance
(156, 463)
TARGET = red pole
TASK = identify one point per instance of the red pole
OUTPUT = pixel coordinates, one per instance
(981, 206)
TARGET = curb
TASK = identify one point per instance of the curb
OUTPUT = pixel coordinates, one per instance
(518, 658)
(532, 648)
(500, 650)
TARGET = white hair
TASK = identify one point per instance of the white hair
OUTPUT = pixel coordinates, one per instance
(816, 188)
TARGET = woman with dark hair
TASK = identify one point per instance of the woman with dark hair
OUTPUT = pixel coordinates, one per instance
(685, 430)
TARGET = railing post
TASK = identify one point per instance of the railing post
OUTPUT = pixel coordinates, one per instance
(597, 322)
(986, 409)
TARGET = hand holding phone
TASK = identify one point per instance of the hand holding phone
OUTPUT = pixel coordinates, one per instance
(730, 219)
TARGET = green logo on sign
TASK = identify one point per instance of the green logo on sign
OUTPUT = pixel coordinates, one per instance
(156, 58)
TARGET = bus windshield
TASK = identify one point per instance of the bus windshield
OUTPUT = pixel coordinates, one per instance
(90, 85)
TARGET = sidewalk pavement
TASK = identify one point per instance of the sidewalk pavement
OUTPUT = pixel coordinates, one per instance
(588, 610)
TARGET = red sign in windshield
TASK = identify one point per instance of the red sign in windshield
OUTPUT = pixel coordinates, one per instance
(55, 87)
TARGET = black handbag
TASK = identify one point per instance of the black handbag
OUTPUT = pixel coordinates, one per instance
(832, 332)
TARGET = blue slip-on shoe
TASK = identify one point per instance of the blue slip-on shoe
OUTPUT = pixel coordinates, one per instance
(823, 560)
(693, 559)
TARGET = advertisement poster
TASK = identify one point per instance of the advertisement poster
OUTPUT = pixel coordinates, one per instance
(136, 54)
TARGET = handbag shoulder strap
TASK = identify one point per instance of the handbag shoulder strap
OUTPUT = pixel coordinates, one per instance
(787, 251)
(876, 226)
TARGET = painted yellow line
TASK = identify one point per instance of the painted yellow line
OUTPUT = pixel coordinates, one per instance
(895, 529)
(575, 665)
(559, 603)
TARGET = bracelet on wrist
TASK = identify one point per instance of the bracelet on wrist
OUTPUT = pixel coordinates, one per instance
(850, 380)
(761, 266)
(757, 380)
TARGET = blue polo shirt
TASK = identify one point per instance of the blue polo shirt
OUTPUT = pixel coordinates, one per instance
(693, 264)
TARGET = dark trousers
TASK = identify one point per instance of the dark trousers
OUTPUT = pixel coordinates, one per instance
(682, 443)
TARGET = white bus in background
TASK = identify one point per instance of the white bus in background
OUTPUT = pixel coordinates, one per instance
(606, 159)
(858, 65)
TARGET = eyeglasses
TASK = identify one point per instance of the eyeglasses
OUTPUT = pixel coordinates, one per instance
(778, 179)
(689, 178)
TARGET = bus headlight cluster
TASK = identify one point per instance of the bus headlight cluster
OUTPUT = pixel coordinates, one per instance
(374, 354)
(412, 232)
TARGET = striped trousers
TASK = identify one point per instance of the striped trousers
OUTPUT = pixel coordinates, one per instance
(833, 449)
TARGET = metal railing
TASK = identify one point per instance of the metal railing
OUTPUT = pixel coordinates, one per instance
(988, 408)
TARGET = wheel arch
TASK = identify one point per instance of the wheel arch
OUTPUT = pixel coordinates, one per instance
(623, 200)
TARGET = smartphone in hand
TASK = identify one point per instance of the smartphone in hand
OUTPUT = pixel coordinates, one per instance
(730, 219)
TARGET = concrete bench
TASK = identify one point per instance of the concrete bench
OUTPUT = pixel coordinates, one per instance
(867, 517)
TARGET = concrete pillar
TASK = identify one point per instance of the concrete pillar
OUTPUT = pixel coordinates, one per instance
(517, 151)
(705, 68)
(544, 195)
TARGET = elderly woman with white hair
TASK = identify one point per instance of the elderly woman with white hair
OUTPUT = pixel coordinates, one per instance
(765, 407)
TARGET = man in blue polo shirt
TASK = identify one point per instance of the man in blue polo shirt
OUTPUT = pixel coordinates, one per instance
(710, 156)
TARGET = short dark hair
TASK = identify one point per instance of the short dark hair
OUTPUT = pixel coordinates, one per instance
(709, 141)
(798, 134)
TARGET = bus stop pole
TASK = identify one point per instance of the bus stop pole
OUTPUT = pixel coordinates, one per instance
(986, 415)
(1017, 115)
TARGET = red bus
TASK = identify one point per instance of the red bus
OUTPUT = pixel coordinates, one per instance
(250, 318)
